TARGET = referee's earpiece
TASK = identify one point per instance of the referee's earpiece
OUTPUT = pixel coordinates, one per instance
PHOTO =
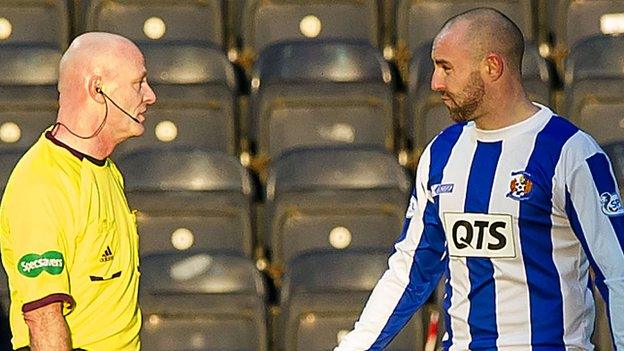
(98, 90)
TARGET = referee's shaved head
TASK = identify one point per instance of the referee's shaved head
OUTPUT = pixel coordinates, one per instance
(489, 30)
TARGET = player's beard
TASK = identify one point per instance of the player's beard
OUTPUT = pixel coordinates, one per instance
(466, 104)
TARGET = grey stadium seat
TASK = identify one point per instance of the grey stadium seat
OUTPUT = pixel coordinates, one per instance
(202, 300)
(266, 22)
(418, 21)
(5, 301)
(575, 20)
(34, 22)
(320, 93)
(28, 93)
(8, 160)
(323, 295)
(427, 113)
(196, 90)
(342, 198)
(615, 151)
(189, 199)
(147, 20)
(595, 87)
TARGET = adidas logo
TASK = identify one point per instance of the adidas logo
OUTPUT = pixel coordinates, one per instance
(107, 255)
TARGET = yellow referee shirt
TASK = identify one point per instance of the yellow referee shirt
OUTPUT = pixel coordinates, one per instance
(67, 234)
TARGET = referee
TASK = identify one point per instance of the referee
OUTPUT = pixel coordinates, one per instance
(68, 240)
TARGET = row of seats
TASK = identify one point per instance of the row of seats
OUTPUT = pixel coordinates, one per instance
(303, 94)
(259, 24)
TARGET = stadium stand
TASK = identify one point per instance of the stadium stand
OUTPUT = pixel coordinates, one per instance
(35, 22)
(189, 199)
(342, 198)
(267, 22)
(5, 330)
(149, 20)
(320, 93)
(322, 297)
(202, 300)
(615, 151)
(28, 94)
(602, 332)
(196, 89)
(595, 87)
(428, 115)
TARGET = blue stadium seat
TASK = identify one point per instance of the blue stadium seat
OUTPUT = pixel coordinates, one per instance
(202, 300)
(266, 22)
(418, 21)
(148, 20)
(35, 22)
(594, 88)
(196, 90)
(28, 94)
(189, 199)
(428, 115)
(323, 294)
(343, 198)
(320, 93)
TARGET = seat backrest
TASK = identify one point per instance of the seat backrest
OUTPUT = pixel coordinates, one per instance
(615, 151)
(317, 93)
(267, 22)
(35, 22)
(145, 20)
(418, 21)
(594, 87)
(202, 300)
(575, 20)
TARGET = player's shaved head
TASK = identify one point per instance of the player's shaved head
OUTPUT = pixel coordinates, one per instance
(489, 31)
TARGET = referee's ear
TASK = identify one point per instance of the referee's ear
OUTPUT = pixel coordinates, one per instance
(94, 87)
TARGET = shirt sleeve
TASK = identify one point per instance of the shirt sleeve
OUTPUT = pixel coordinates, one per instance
(37, 219)
(595, 211)
(414, 270)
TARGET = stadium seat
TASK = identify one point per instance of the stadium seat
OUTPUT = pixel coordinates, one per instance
(418, 21)
(196, 90)
(427, 113)
(575, 20)
(266, 22)
(343, 198)
(202, 300)
(35, 22)
(323, 295)
(615, 151)
(148, 20)
(595, 87)
(189, 199)
(28, 94)
(5, 301)
(320, 93)
(8, 160)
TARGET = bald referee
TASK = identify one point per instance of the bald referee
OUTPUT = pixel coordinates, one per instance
(512, 204)
(68, 239)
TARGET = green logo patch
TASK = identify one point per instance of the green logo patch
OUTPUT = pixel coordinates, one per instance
(31, 265)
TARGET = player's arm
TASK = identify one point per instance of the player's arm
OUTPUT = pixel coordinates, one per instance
(47, 328)
(414, 270)
(596, 215)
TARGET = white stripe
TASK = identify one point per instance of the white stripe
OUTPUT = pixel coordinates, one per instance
(512, 293)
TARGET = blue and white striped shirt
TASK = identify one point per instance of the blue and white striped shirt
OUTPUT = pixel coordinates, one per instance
(514, 217)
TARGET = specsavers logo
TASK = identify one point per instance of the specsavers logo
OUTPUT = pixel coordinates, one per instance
(31, 265)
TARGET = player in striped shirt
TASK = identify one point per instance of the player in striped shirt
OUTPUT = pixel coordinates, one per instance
(513, 204)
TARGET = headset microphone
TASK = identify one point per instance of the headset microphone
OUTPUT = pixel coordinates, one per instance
(99, 91)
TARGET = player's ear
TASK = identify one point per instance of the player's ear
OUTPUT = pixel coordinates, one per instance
(94, 87)
(494, 66)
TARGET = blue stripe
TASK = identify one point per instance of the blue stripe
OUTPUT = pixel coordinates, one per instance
(575, 223)
(601, 173)
(427, 266)
(546, 302)
(482, 295)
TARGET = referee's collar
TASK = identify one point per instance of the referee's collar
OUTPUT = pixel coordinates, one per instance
(78, 154)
